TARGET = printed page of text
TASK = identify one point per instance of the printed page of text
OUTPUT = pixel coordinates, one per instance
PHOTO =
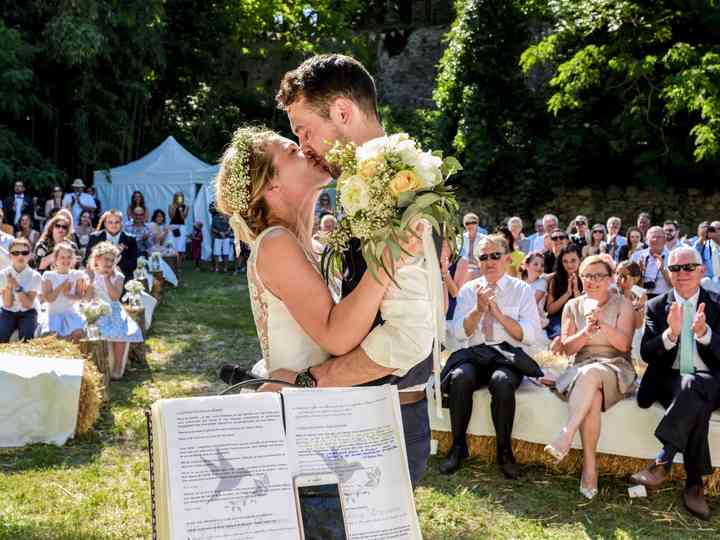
(357, 434)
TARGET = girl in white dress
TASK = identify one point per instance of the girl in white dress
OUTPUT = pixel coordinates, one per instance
(107, 284)
(269, 189)
(62, 289)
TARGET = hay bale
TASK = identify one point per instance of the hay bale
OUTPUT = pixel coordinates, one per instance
(91, 386)
(484, 448)
(99, 354)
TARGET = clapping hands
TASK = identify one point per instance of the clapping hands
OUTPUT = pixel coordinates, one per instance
(675, 320)
(593, 321)
(485, 299)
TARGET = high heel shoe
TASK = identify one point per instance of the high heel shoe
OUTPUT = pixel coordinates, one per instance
(588, 492)
(557, 455)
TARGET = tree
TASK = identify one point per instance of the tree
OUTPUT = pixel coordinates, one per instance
(643, 76)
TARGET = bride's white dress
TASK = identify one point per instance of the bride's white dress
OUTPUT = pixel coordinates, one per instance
(283, 342)
(412, 312)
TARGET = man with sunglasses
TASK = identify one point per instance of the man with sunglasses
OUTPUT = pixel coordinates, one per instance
(671, 228)
(558, 240)
(491, 310)
(20, 287)
(681, 346)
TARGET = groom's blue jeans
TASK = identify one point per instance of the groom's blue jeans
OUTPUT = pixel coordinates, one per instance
(416, 424)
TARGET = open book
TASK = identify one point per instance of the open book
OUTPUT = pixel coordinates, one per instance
(223, 467)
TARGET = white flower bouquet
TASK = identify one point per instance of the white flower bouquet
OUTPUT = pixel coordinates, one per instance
(142, 263)
(93, 310)
(386, 184)
(133, 288)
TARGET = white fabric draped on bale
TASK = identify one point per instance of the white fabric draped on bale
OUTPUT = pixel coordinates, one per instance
(38, 399)
(627, 430)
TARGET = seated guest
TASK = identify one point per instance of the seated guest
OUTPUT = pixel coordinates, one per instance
(559, 240)
(25, 230)
(531, 272)
(653, 263)
(493, 309)
(597, 241)
(671, 228)
(564, 285)
(137, 199)
(62, 289)
(84, 230)
(107, 285)
(6, 228)
(160, 235)
(634, 243)
(515, 224)
(58, 229)
(516, 256)
(581, 237)
(541, 243)
(643, 224)
(627, 277)
(473, 233)
(615, 241)
(16, 205)
(681, 346)
(597, 329)
(20, 287)
(110, 230)
(140, 230)
(539, 231)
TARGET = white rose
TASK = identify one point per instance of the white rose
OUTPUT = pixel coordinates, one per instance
(371, 149)
(428, 169)
(355, 195)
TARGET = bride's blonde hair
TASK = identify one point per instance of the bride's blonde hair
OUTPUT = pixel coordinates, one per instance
(246, 167)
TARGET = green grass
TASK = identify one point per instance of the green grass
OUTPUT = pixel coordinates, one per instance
(96, 487)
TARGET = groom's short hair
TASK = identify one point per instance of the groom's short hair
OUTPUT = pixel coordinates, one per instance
(325, 77)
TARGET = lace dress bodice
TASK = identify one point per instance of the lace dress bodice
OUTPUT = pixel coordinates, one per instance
(283, 342)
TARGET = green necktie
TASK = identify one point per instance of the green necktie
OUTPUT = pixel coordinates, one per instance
(687, 366)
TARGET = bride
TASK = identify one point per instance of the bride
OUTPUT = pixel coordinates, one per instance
(269, 188)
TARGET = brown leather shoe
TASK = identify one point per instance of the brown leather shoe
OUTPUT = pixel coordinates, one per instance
(695, 503)
(652, 476)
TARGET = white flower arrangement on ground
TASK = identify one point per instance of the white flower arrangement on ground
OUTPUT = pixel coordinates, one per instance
(155, 259)
(142, 262)
(93, 310)
(386, 184)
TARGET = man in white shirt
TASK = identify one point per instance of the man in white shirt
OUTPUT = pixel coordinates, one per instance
(681, 346)
(541, 242)
(614, 239)
(653, 263)
(20, 286)
(491, 310)
(77, 201)
(539, 231)
(17, 205)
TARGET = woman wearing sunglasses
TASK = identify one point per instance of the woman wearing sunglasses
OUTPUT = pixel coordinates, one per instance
(597, 328)
(58, 229)
(20, 287)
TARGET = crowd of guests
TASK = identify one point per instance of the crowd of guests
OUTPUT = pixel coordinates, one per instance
(610, 300)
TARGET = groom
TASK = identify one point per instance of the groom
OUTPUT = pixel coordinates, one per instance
(328, 98)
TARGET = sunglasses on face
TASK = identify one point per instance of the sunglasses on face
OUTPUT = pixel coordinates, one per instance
(471, 223)
(689, 267)
(581, 223)
(63, 226)
(19, 253)
(494, 256)
(559, 237)
(597, 232)
(594, 277)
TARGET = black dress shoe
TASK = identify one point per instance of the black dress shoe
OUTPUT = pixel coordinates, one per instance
(695, 503)
(507, 464)
(452, 461)
(232, 374)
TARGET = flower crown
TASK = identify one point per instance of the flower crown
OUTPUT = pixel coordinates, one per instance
(236, 190)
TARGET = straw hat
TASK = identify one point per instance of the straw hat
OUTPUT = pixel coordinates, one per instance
(78, 183)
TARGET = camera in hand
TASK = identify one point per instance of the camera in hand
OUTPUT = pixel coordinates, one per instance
(648, 285)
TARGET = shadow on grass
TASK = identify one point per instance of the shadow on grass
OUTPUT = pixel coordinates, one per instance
(554, 501)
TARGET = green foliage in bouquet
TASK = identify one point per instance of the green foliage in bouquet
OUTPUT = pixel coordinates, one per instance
(385, 186)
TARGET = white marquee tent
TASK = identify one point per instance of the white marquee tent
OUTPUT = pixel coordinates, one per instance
(167, 169)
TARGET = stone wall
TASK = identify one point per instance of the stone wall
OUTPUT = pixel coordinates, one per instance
(688, 206)
(406, 73)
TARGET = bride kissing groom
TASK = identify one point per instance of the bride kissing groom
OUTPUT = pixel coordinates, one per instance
(268, 185)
